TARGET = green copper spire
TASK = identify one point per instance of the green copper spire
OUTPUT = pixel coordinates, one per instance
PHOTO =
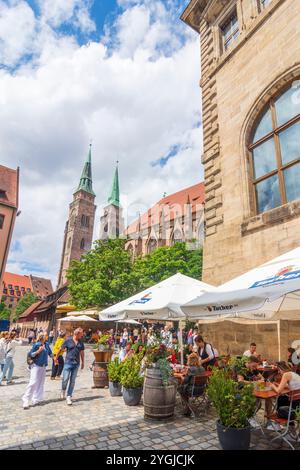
(86, 183)
(114, 197)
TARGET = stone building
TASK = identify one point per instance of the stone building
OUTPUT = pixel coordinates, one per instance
(79, 228)
(178, 217)
(9, 199)
(112, 222)
(15, 286)
(250, 63)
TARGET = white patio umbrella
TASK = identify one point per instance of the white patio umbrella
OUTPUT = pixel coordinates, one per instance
(78, 319)
(160, 302)
(129, 322)
(271, 290)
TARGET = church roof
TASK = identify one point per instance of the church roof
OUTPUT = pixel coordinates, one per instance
(169, 207)
(114, 197)
(86, 183)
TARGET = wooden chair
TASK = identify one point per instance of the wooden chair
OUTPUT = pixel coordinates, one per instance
(289, 426)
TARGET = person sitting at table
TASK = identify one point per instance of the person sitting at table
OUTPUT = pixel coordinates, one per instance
(251, 374)
(289, 380)
(205, 351)
(126, 352)
(194, 368)
(252, 351)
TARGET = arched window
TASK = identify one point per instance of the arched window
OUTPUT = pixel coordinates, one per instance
(69, 243)
(177, 236)
(152, 245)
(275, 151)
(82, 244)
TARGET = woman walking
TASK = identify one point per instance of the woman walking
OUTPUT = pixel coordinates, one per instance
(35, 389)
(57, 367)
(9, 351)
(3, 337)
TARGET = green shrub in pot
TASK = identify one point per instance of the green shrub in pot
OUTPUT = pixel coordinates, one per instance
(235, 404)
(114, 370)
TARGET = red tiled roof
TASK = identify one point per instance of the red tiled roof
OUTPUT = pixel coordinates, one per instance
(9, 180)
(40, 286)
(17, 280)
(170, 205)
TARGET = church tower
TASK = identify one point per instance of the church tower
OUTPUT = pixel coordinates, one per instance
(112, 223)
(79, 228)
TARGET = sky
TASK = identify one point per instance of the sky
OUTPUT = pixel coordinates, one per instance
(122, 74)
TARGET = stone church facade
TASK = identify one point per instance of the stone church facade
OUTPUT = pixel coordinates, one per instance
(178, 217)
(250, 62)
(78, 236)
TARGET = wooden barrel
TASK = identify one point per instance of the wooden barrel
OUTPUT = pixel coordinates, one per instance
(159, 400)
(100, 375)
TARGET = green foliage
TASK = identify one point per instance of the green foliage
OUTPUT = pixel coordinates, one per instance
(131, 372)
(157, 354)
(234, 404)
(238, 365)
(102, 277)
(165, 262)
(25, 302)
(297, 412)
(114, 369)
(5, 312)
(106, 275)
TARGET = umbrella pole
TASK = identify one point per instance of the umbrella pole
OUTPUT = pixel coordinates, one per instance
(181, 342)
(279, 342)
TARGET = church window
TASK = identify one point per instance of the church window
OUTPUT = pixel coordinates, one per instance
(69, 242)
(82, 244)
(230, 30)
(275, 151)
(2, 217)
(152, 245)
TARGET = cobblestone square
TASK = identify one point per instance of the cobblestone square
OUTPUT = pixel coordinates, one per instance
(97, 421)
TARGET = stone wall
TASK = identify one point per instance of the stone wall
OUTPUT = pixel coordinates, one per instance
(234, 338)
(235, 87)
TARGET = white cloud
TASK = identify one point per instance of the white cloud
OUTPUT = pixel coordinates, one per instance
(57, 12)
(135, 99)
(17, 28)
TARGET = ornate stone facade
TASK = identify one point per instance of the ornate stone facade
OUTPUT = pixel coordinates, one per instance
(79, 228)
(177, 217)
(249, 55)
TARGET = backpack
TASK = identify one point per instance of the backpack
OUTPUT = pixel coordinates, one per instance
(29, 359)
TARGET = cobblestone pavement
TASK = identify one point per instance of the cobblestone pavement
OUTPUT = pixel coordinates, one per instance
(96, 420)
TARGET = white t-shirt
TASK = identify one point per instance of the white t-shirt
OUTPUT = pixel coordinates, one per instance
(248, 353)
(10, 348)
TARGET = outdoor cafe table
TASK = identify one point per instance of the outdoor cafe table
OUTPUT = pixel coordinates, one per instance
(180, 376)
(265, 395)
(268, 371)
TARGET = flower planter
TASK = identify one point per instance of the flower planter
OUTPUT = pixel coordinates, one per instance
(132, 396)
(159, 400)
(100, 375)
(115, 389)
(103, 356)
(233, 438)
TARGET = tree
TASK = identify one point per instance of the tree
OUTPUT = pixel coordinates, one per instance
(24, 303)
(165, 262)
(4, 312)
(106, 275)
(103, 276)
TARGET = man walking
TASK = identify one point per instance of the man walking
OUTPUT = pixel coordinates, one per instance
(75, 351)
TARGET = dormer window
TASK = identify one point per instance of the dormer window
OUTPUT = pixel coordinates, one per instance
(3, 194)
(230, 30)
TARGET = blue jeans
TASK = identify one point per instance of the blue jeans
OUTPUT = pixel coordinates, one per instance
(8, 366)
(69, 375)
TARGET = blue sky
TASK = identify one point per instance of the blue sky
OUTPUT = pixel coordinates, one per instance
(122, 72)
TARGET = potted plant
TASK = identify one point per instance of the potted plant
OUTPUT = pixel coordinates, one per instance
(132, 380)
(159, 388)
(235, 405)
(114, 370)
(103, 349)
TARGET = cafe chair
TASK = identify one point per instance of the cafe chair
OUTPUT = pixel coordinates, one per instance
(198, 401)
(289, 427)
